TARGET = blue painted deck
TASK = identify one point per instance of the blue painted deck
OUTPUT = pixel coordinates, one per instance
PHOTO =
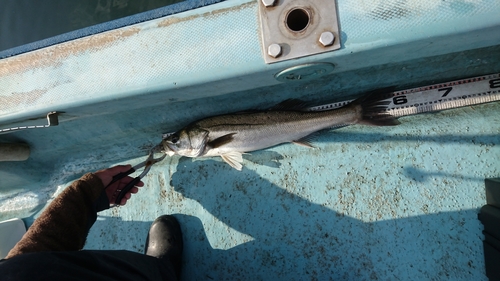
(368, 203)
(398, 204)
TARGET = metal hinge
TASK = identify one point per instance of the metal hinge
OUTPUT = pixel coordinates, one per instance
(52, 120)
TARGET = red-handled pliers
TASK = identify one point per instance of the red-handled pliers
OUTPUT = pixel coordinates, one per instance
(150, 161)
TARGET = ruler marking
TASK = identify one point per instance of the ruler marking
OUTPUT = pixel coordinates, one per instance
(448, 95)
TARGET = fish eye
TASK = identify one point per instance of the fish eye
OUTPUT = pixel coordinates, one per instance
(174, 139)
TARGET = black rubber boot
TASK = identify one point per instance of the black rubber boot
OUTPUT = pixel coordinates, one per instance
(165, 241)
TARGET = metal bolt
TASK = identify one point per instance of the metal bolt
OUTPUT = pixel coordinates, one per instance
(274, 50)
(268, 3)
(327, 38)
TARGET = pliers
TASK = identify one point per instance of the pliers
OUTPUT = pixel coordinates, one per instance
(150, 161)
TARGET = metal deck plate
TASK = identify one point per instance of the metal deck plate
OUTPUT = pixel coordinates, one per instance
(298, 28)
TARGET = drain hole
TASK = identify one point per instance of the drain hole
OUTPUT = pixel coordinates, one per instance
(297, 19)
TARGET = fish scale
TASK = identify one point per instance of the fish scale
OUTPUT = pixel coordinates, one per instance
(231, 135)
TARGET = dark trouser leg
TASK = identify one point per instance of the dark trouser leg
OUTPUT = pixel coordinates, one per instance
(86, 265)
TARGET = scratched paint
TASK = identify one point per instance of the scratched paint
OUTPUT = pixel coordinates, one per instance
(212, 14)
(53, 56)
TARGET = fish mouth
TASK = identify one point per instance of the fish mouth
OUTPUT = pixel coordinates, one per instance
(169, 153)
(157, 148)
(167, 149)
(163, 148)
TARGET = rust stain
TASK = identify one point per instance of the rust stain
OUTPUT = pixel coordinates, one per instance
(174, 20)
(211, 14)
(53, 55)
(22, 98)
(30, 97)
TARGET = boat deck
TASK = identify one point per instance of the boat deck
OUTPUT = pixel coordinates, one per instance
(367, 203)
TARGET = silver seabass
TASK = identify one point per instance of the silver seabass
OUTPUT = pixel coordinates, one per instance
(231, 135)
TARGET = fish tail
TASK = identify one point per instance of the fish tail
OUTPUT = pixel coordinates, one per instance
(372, 107)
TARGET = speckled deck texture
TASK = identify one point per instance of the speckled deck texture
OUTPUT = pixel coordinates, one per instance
(369, 203)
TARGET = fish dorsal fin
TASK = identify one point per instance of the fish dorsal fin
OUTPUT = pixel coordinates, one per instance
(220, 141)
(234, 159)
(290, 104)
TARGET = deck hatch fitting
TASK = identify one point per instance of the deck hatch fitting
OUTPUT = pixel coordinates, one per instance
(297, 28)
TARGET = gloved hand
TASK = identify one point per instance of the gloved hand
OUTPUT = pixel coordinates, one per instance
(106, 176)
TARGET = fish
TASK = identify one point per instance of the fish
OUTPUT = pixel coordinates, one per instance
(232, 135)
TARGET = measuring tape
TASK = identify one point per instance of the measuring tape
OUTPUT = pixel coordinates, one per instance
(454, 94)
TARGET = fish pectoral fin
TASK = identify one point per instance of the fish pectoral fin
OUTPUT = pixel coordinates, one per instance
(234, 159)
(218, 142)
